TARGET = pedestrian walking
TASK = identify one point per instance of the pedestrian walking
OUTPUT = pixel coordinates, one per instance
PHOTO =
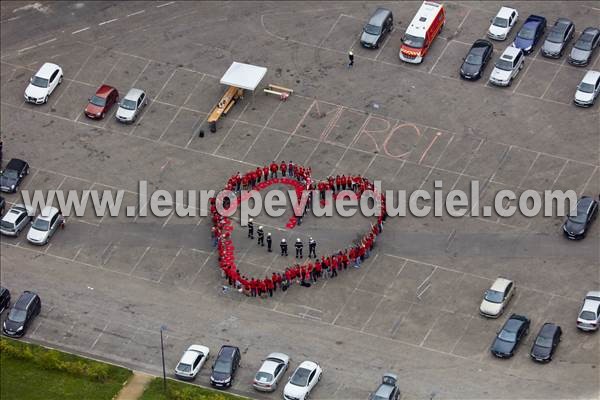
(269, 242)
(351, 59)
(299, 246)
(312, 248)
(261, 236)
(251, 228)
(284, 247)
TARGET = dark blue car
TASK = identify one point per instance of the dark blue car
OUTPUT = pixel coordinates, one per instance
(530, 33)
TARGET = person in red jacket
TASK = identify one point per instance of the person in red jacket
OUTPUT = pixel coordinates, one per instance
(283, 169)
(253, 287)
(266, 173)
(288, 275)
(258, 173)
(331, 182)
(269, 286)
(245, 182)
(274, 169)
(338, 183)
(290, 168)
(318, 269)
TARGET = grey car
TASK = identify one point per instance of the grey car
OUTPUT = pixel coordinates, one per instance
(582, 51)
(131, 105)
(556, 41)
(375, 31)
(15, 220)
(271, 372)
(388, 389)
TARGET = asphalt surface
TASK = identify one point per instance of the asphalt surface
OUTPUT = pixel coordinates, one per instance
(108, 284)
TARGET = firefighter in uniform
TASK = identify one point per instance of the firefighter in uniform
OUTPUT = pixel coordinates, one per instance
(251, 228)
(284, 247)
(269, 242)
(312, 248)
(299, 246)
(261, 236)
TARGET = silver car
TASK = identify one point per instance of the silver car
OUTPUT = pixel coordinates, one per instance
(45, 225)
(557, 39)
(589, 316)
(588, 89)
(270, 372)
(15, 220)
(131, 105)
(582, 50)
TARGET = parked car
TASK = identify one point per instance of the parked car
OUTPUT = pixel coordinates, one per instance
(43, 83)
(26, 308)
(530, 33)
(507, 67)
(509, 337)
(106, 96)
(584, 47)
(576, 226)
(502, 23)
(16, 219)
(271, 371)
(588, 89)
(2, 205)
(131, 105)
(303, 381)
(388, 389)
(191, 362)
(4, 299)
(225, 367)
(497, 297)
(13, 174)
(546, 342)
(380, 24)
(589, 316)
(557, 39)
(476, 60)
(45, 226)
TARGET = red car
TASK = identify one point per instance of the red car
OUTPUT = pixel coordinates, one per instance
(105, 97)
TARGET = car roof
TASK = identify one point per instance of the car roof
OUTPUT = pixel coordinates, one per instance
(24, 300)
(505, 12)
(308, 365)
(46, 70)
(104, 90)
(510, 53)
(48, 212)
(548, 329)
(190, 355)
(590, 30)
(133, 94)
(379, 16)
(562, 23)
(591, 76)
(269, 366)
(15, 163)
(384, 390)
(500, 284)
(14, 213)
(227, 351)
(280, 356)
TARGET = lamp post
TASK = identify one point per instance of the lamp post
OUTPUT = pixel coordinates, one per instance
(162, 353)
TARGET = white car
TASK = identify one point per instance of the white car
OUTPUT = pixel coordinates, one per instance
(502, 23)
(15, 220)
(303, 381)
(589, 316)
(507, 67)
(497, 297)
(270, 372)
(45, 225)
(588, 89)
(42, 84)
(131, 105)
(191, 362)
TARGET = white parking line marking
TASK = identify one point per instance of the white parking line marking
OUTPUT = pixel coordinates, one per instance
(80, 30)
(139, 260)
(165, 4)
(10, 19)
(463, 21)
(99, 335)
(331, 29)
(108, 22)
(170, 264)
(440, 56)
(26, 48)
(47, 41)
(136, 13)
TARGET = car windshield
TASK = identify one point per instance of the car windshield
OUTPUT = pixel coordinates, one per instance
(504, 65)
(98, 101)
(587, 315)
(586, 87)
(474, 59)
(17, 315)
(6, 225)
(10, 173)
(300, 377)
(494, 296)
(41, 224)
(372, 29)
(184, 367)
(555, 37)
(543, 341)
(527, 33)
(508, 336)
(413, 41)
(500, 22)
(584, 43)
(222, 366)
(128, 104)
(39, 82)
(263, 377)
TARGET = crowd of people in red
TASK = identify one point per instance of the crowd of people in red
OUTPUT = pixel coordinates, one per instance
(311, 270)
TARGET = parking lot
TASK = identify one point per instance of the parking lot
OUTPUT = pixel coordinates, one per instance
(108, 284)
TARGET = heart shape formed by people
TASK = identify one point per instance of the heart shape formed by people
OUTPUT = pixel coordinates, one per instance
(300, 179)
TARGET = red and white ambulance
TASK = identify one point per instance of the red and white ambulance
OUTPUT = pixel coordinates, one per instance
(419, 35)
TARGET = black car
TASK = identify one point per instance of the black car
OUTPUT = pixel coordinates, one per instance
(225, 366)
(546, 342)
(476, 59)
(575, 227)
(13, 174)
(380, 24)
(584, 46)
(509, 337)
(4, 299)
(27, 307)
(2, 205)
(557, 39)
